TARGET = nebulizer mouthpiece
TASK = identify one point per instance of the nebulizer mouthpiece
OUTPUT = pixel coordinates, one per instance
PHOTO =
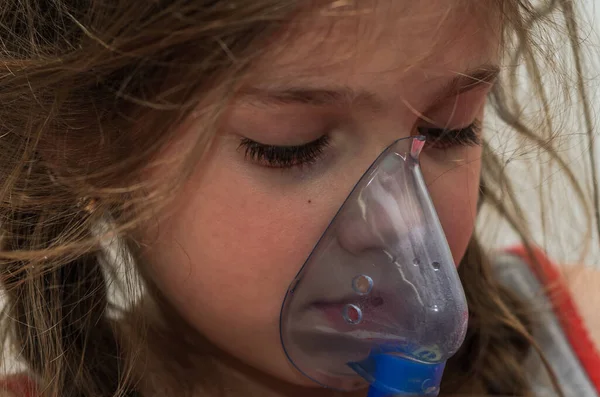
(378, 302)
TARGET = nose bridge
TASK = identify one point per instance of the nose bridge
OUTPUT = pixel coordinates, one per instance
(383, 215)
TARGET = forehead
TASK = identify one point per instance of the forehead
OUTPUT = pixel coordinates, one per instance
(370, 39)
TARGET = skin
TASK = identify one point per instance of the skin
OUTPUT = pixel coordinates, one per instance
(240, 231)
(583, 282)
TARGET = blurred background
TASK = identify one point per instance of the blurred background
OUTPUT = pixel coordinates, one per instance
(559, 224)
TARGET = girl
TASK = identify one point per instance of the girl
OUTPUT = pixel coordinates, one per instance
(201, 148)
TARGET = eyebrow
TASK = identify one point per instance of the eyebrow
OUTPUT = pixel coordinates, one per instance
(344, 95)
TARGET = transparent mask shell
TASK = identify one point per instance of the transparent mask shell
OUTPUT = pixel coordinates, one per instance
(381, 281)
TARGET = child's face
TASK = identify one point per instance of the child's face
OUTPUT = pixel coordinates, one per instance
(241, 230)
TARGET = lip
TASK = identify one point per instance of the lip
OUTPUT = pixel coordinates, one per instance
(333, 314)
(380, 313)
(374, 299)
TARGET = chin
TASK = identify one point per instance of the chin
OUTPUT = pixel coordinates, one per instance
(288, 373)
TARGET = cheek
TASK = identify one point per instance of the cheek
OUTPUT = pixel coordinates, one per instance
(233, 245)
(454, 191)
(228, 254)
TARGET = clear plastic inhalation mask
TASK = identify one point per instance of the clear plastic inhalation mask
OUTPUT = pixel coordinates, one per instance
(378, 302)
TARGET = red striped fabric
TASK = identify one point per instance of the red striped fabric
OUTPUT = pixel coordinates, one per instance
(565, 310)
(19, 385)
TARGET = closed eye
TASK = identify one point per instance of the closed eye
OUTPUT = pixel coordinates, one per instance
(298, 156)
(442, 138)
(285, 157)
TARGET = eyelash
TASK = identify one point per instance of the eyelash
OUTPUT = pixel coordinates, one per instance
(441, 138)
(286, 157)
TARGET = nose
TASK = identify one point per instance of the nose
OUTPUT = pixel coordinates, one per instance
(384, 214)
